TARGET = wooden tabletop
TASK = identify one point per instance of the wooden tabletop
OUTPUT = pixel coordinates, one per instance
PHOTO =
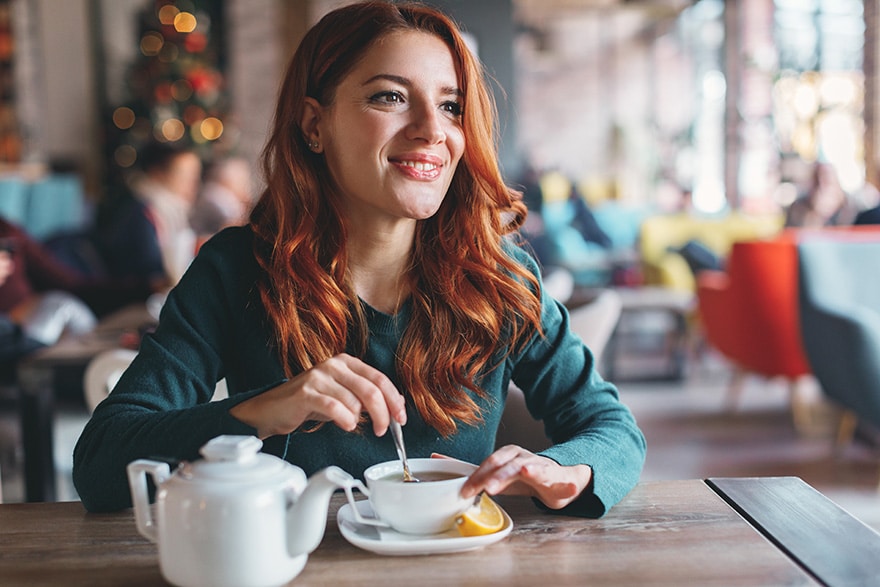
(662, 533)
(80, 349)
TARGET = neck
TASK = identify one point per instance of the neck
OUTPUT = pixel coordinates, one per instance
(378, 264)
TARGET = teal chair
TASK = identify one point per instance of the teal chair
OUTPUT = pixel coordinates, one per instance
(13, 199)
(56, 204)
(839, 295)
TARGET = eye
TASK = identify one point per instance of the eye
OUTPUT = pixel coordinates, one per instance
(389, 97)
(452, 107)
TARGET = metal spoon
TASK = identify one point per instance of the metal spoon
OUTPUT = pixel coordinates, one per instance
(397, 435)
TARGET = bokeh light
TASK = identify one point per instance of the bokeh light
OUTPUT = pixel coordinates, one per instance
(123, 117)
(167, 14)
(181, 90)
(168, 53)
(125, 155)
(172, 130)
(185, 22)
(151, 43)
(211, 128)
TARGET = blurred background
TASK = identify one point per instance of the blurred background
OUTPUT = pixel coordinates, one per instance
(651, 138)
(634, 99)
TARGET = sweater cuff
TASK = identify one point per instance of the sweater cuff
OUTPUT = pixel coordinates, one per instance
(587, 505)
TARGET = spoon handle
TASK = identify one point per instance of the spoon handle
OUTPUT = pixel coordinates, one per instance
(397, 434)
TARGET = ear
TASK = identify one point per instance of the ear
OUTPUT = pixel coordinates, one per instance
(310, 124)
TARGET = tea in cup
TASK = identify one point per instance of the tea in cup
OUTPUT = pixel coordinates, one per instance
(429, 506)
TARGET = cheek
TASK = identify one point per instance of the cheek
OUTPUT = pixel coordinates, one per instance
(457, 144)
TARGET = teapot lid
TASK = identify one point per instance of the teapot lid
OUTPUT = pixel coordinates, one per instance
(235, 458)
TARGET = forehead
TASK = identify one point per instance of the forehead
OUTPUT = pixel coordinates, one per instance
(417, 53)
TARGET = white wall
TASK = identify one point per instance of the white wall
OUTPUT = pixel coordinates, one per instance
(68, 124)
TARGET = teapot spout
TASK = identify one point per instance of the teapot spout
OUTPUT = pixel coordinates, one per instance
(307, 518)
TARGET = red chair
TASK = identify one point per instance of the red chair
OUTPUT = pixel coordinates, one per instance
(749, 312)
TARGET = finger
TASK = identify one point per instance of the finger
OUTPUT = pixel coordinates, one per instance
(497, 472)
(322, 382)
(437, 455)
(377, 394)
(330, 402)
(393, 399)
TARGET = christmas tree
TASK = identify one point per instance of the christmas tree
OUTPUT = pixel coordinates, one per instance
(176, 85)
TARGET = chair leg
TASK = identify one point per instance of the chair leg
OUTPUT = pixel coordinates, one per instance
(801, 411)
(846, 430)
(734, 389)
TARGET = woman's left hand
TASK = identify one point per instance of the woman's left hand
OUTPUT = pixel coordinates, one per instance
(512, 470)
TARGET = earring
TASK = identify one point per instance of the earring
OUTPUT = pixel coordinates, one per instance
(314, 146)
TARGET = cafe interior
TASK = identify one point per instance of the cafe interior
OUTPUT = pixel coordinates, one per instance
(667, 140)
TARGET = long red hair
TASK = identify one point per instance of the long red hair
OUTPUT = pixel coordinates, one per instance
(470, 299)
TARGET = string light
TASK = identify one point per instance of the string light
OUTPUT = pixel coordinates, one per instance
(185, 22)
(211, 128)
(167, 14)
(151, 43)
(172, 130)
(123, 117)
(125, 155)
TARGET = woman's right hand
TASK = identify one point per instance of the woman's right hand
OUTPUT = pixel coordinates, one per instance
(337, 390)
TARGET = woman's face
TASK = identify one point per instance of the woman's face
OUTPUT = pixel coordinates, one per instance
(183, 176)
(393, 137)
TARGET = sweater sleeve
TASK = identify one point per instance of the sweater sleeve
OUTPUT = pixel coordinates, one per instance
(161, 406)
(582, 413)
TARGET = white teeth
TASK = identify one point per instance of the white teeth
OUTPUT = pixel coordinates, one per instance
(419, 166)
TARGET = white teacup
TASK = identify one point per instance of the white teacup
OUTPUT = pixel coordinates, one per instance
(427, 507)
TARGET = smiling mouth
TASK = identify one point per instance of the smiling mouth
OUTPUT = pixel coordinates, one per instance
(419, 165)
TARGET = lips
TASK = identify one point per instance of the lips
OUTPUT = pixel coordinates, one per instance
(419, 166)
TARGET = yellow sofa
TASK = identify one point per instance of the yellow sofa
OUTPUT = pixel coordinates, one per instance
(658, 234)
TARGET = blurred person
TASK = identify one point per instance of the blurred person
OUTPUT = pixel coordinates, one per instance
(584, 221)
(225, 198)
(42, 299)
(871, 198)
(14, 343)
(825, 203)
(380, 276)
(145, 231)
(869, 216)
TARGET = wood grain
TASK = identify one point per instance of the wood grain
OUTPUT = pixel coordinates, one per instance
(825, 539)
(663, 533)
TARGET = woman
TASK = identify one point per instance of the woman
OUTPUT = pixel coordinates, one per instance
(376, 280)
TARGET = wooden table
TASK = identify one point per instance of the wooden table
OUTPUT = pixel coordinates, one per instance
(38, 377)
(662, 533)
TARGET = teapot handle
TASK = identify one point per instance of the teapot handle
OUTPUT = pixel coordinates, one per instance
(137, 481)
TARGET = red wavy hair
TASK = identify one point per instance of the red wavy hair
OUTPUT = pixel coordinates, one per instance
(470, 299)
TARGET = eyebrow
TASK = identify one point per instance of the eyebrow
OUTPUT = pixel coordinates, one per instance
(398, 79)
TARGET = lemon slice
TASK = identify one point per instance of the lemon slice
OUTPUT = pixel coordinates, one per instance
(483, 518)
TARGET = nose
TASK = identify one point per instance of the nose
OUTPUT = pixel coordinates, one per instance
(427, 125)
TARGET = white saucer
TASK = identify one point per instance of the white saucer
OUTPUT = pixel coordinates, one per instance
(391, 542)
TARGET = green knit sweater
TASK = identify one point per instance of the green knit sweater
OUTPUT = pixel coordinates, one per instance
(213, 325)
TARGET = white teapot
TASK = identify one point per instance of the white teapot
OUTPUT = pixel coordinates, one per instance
(236, 518)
